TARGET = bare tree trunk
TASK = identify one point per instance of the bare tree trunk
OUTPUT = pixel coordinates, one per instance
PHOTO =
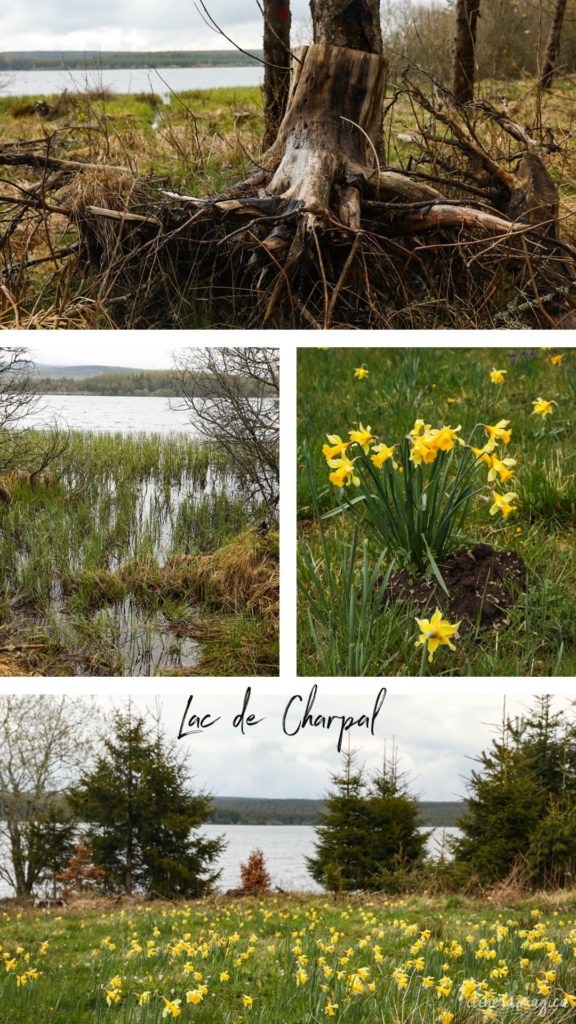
(553, 45)
(277, 21)
(332, 126)
(464, 67)
(351, 23)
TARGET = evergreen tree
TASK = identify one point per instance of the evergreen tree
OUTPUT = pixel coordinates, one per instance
(370, 834)
(521, 805)
(397, 841)
(341, 862)
(142, 819)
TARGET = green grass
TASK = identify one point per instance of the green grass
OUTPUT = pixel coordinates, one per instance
(82, 558)
(402, 385)
(349, 952)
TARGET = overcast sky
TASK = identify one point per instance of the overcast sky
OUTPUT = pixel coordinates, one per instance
(145, 352)
(131, 25)
(435, 736)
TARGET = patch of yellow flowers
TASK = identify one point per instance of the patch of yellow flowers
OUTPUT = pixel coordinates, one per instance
(278, 958)
(426, 442)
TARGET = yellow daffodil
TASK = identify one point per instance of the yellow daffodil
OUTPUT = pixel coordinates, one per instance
(498, 376)
(445, 1017)
(112, 996)
(343, 472)
(468, 988)
(422, 450)
(543, 987)
(555, 360)
(444, 986)
(400, 977)
(336, 447)
(568, 999)
(362, 436)
(483, 454)
(446, 437)
(500, 469)
(498, 432)
(224, 976)
(502, 503)
(143, 998)
(330, 1008)
(194, 996)
(436, 631)
(540, 407)
(360, 372)
(247, 1001)
(381, 453)
(116, 982)
(171, 1007)
(301, 976)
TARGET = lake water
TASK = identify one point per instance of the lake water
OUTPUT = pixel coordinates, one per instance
(127, 80)
(111, 413)
(285, 849)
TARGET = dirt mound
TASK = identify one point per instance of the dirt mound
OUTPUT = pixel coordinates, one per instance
(484, 584)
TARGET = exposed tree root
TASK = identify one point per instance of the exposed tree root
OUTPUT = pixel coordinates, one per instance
(322, 235)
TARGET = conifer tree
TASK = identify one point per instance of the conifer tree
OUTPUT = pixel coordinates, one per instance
(521, 804)
(370, 834)
(341, 862)
(142, 819)
(398, 843)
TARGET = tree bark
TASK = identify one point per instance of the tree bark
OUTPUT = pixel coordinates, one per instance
(553, 45)
(332, 123)
(277, 21)
(351, 23)
(464, 67)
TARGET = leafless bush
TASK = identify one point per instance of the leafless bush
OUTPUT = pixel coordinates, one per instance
(233, 395)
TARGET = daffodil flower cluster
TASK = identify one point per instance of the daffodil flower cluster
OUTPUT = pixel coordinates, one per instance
(415, 495)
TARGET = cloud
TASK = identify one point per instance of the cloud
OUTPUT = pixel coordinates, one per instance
(131, 25)
(435, 740)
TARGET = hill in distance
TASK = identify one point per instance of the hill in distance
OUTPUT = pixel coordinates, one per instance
(94, 60)
(230, 810)
(80, 372)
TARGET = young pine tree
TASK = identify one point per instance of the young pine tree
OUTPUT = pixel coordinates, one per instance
(397, 841)
(521, 804)
(370, 834)
(342, 861)
(141, 818)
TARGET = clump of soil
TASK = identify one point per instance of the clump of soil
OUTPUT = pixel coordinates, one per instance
(484, 584)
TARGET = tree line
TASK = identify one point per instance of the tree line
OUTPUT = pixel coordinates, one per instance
(105, 803)
(143, 383)
(259, 811)
(87, 60)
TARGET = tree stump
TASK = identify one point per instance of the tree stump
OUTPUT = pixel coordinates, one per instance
(331, 128)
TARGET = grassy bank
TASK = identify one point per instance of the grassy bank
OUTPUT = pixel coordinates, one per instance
(201, 142)
(417, 961)
(366, 634)
(133, 552)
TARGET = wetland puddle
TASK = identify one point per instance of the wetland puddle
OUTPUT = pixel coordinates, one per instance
(118, 503)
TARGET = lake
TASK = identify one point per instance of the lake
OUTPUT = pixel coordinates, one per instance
(285, 849)
(127, 80)
(113, 413)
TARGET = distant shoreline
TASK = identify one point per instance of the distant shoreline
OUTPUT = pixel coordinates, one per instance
(93, 61)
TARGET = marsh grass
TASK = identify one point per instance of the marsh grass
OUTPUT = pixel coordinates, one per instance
(155, 948)
(402, 385)
(133, 533)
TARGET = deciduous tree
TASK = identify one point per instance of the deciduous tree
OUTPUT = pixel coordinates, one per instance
(43, 741)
